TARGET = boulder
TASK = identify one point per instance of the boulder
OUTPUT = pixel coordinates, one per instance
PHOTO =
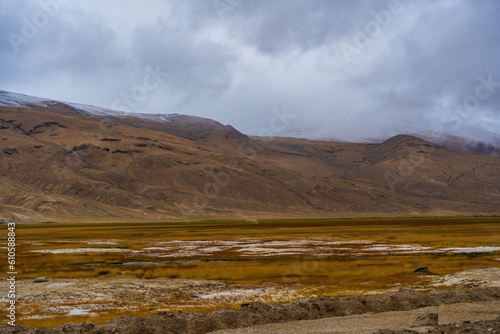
(428, 319)
(40, 280)
(10, 151)
(423, 271)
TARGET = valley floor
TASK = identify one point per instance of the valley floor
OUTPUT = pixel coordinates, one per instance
(391, 311)
(100, 272)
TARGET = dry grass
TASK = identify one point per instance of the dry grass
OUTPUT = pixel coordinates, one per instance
(100, 318)
(312, 274)
(458, 232)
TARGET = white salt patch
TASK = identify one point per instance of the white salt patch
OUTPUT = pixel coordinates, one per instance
(102, 243)
(210, 249)
(231, 293)
(480, 249)
(356, 242)
(336, 249)
(377, 249)
(78, 311)
(79, 250)
(394, 248)
(250, 246)
(157, 249)
(412, 247)
(194, 242)
(271, 250)
(272, 243)
(276, 254)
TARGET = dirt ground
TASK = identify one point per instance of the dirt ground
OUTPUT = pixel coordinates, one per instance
(470, 278)
(372, 322)
(349, 315)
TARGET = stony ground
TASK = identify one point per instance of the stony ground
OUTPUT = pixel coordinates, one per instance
(485, 326)
(475, 298)
(394, 322)
(255, 314)
(125, 295)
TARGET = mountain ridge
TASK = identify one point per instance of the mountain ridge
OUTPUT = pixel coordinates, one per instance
(62, 164)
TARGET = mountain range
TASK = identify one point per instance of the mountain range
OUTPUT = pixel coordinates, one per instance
(70, 162)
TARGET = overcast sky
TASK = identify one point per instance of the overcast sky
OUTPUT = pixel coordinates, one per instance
(334, 69)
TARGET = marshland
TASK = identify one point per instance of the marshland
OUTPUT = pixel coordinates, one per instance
(100, 271)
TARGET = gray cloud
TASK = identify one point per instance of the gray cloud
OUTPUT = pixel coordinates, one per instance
(192, 64)
(345, 69)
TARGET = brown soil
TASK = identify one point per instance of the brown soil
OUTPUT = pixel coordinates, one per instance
(385, 322)
(485, 326)
(254, 314)
(61, 166)
(123, 295)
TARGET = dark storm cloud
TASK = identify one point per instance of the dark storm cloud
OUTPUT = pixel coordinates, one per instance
(344, 69)
(67, 47)
(192, 64)
(280, 25)
(436, 63)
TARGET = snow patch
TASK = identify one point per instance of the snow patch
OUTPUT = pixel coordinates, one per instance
(11, 99)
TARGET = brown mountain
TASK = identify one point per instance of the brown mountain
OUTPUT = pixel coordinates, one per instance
(67, 162)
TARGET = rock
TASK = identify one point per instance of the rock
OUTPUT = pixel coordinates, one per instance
(428, 319)
(40, 280)
(10, 151)
(423, 271)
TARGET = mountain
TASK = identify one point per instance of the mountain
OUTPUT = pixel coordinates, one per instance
(464, 144)
(69, 162)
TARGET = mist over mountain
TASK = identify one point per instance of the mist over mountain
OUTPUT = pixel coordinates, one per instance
(351, 71)
(189, 166)
(63, 161)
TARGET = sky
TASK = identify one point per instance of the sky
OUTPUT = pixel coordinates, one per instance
(325, 69)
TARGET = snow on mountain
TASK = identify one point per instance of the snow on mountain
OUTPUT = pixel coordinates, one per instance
(17, 100)
(9, 99)
(484, 142)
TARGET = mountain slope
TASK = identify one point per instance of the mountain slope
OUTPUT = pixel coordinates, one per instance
(65, 162)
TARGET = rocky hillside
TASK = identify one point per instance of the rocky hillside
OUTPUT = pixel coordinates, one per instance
(65, 162)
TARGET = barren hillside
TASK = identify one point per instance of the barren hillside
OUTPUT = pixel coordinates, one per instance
(61, 162)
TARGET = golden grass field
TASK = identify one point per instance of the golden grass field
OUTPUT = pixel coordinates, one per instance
(311, 257)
